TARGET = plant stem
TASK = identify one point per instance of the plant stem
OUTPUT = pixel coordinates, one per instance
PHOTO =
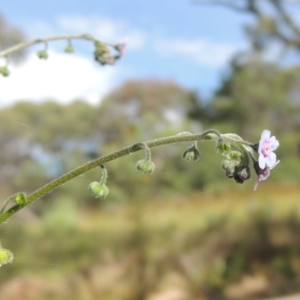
(26, 44)
(104, 159)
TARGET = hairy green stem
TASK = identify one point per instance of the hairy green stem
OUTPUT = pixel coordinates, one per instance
(26, 44)
(214, 135)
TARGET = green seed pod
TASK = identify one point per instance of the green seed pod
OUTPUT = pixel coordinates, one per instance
(191, 154)
(6, 256)
(20, 198)
(42, 54)
(4, 71)
(145, 166)
(99, 190)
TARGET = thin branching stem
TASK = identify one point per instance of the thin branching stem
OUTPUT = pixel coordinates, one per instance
(212, 133)
(27, 44)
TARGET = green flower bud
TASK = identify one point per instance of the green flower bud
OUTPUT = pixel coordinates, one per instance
(223, 146)
(104, 58)
(99, 190)
(42, 54)
(101, 48)
(6, 256)
(145, 166)
(20, 199)
(191, 154)
(4, 71)
(230, 162)
(234, 155)
(229, 167)
(69, 49)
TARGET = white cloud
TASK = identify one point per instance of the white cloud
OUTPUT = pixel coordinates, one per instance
(105, 29)
(62, 77)
(202, 51)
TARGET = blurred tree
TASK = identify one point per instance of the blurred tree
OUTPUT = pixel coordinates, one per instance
(9, 36)
(257, 93)
(253, 96)
(140, 110)
(47, 134)
(153, 101)
(276, 21)
(47, 139)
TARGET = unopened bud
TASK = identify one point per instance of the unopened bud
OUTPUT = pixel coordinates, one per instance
(120, 48)
(4, 71)
(242, 174)
(229, 168)
(104, 58)
(69, 49)
(101, 48)
(99, 190)
(20, 199)
(191, 154)
(145, 166)
(234, 155)
(245, 173)
(231, 162)
(42, 54)
(6, 256)
(223, 146)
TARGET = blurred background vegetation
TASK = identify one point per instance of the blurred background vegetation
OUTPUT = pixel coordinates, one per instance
(186, 232)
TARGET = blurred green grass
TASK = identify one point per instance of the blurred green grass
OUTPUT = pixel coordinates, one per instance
(203, 244)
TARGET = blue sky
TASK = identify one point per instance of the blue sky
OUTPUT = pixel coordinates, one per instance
(169, 40)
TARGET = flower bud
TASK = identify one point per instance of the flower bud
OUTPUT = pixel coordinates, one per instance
(4, 71)
(6, 256)
(99, 190)
(69, 49)
(101, 48)
(229, 168)
(104, 58)
(242, 174)
(145, 166)
(235, 155)
(191, 154)
(42, 54)
(120, 48)
(223, 146)
(231, 163)
(20, 199)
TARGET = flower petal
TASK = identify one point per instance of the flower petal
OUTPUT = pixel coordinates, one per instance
(274, 144)
(261, 162)
(265, 134)
(270, 160)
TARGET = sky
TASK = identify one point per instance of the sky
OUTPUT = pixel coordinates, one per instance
(166, 40)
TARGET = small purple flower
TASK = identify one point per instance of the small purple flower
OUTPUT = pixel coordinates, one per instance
(267, 144)
(263, 174)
